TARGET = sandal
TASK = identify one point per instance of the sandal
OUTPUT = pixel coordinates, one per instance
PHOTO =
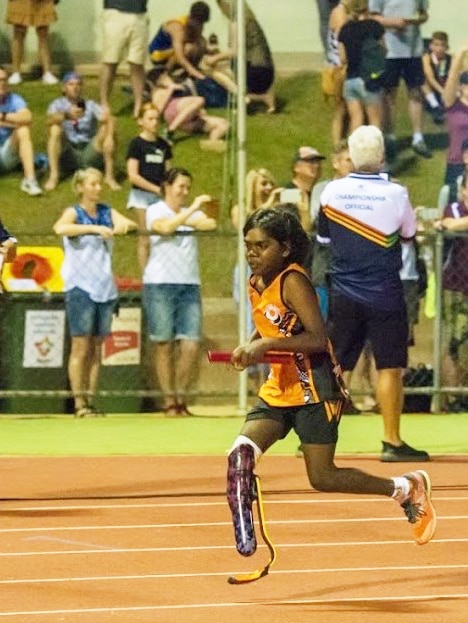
(81, 412)
(182, 410)
(88, 411)
(171, 410)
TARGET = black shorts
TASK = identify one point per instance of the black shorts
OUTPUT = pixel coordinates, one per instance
(259, 79)
(410, 69)
(351, 323)
(315, 423)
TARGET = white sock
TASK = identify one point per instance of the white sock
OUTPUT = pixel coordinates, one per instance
(417, 138)
(402, 489)
(431, 99)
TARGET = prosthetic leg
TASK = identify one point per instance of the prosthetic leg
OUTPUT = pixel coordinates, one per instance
(243, 488)
(240, 494)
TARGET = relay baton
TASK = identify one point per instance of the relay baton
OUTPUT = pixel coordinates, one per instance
(225, 356)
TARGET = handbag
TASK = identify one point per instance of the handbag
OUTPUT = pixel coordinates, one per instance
(332, 79)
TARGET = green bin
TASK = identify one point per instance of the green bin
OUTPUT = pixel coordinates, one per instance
(34, 348)
(34, 351)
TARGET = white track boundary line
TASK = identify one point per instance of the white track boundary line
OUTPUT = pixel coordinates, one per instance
(268, 502)
(233, 604)
(165, 576)
(214, 524)
(202, 548)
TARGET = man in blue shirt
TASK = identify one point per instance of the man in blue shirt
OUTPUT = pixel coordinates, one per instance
(81, 134)
(15, 136)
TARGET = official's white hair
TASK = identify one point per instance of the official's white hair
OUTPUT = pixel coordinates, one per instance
(366, 148)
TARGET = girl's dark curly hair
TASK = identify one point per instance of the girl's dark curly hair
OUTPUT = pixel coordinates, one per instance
(282, 224)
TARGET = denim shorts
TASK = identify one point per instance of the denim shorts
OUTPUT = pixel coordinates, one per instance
(354, 89)
(85, 316)
(172, 311)
(9, 156)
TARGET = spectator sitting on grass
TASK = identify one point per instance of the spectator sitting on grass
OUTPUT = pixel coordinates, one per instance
(15, 136)
(81, 134)
(179, 41)
(187, 113)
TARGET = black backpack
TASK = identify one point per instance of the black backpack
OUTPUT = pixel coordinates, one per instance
(372, 65)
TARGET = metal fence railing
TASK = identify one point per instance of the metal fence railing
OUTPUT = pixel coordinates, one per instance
(34, 342)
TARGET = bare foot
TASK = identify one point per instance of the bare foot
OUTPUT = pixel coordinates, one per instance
(51, 184)
(112, 183)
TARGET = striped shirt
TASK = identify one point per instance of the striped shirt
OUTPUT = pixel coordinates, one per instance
(362, 217)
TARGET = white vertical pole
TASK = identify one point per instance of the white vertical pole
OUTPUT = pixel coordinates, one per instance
(241, 173)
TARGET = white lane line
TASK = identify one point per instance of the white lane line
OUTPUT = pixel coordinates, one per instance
(49, 539)
(268, 501)
(233, 604)
(214, 524)
(202, 548)
(183, 576)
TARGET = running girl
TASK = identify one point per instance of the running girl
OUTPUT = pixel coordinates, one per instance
(307, 393)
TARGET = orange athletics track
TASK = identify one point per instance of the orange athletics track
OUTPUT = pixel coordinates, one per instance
(149, 539)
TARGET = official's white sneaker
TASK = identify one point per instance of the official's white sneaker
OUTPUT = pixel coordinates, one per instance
(49, 78)
(15, 78)
(31, 187)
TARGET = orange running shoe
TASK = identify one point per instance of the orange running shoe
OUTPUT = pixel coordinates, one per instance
(418, 507)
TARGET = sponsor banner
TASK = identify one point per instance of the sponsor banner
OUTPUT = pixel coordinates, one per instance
(123, 346)
(44, 339)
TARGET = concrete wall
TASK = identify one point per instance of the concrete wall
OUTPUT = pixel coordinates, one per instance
(291, 27)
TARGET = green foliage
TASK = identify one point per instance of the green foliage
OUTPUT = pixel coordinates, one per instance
(304, 118)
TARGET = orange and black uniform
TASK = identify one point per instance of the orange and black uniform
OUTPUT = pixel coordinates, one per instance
(311, 383)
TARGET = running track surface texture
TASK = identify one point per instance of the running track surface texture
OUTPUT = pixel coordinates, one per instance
(149, 539)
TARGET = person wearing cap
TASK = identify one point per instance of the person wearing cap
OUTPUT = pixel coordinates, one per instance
(81, 134)
(455, 98)
(16, 145)
(179, 41)
(125, 29)
(307, 169)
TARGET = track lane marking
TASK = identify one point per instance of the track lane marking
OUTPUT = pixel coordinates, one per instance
(165, 576)
(124, 550)
(213, 524)
(223, 503)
